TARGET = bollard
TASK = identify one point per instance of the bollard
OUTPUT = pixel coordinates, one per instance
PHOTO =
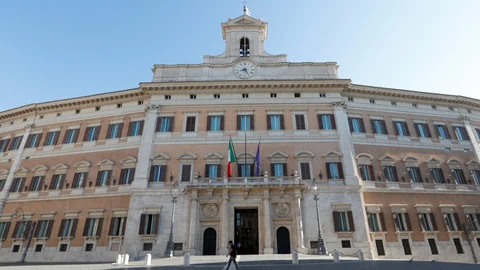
(360, 256)
(148, 259)
(186, 259)
(119, 259)
(294, 257)
(336, 256)
(126, 259)
(122, 258)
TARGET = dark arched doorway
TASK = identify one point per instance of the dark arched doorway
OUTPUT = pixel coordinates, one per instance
(210, 242)
(283, 241)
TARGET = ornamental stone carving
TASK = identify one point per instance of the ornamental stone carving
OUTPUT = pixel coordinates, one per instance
(282, 209)
(210, 210)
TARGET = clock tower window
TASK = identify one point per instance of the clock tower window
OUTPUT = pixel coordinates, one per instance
(244, 47)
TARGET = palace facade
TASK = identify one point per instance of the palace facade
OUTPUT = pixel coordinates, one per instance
(90, 177)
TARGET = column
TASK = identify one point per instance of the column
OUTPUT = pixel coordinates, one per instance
(299, 221)
(146, 147)
(225, 221)
(473, 136)
(16, 161)
(267, 223)
(193, 223)
(346, 145)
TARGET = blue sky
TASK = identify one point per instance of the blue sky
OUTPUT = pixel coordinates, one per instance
(59, 49)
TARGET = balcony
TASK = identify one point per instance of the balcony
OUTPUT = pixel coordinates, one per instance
(232, 182)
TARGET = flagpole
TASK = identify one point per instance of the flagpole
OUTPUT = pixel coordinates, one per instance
(245, 149)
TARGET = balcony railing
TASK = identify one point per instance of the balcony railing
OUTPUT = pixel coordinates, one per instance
(246, 181)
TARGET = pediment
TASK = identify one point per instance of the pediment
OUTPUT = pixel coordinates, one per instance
(433, 160)
(187, 156)
(364, 156)
(278, 155)
(244, 19)
(410, 159)
(61, 166)
(472, 162)
(242, 155)
(387, 158)
(106, 162)
(161, 157)
(304, 154)
(129, 160)
(3, 171)
(453, 161)
(40, 168)
(213, 156)
(83, 164)
(22, 170)
(333, 154)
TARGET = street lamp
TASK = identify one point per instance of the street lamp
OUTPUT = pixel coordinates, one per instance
(321, 249)
(30, 232)
(469, 228)
(174, 193)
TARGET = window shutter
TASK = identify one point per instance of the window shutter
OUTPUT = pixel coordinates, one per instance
(172, 121)
(37, 143)
(421, 219)
(74, 227)
(186, 172)
(15, 230)
(85, 228)
(120, 130)
(372, 123)
(152, 173)
(29, 140)
(5, 232)
(219, 171)
(207, 171)
(351, 224)
(97, 132)
(6, 145)
(164, 173)
(269, 122)
(336, 223)
(209, 123)
(427, 129)
(99, 175)
(109, 178)
(112, 224)
(395, 128)
(30, 188)
(447, 132)
(48, 233)
(132, 175)
(457, 221)
(320, 122)
(50, 187)
(142, 224)
(141, 127)
(407, 130)
(350, 124)
(158, 126)
(436, 131)
(65, 136)
(371, 172)
(85, 135)
(329, 175)
(282, 123)
(384, 127)
(62, 181)
(370, 222)
(239, 122)
(252, 122)
(239, 170)
(407, 220)
(222, 123)
(362, 125)
(285, 172)
(99, 227)
(37, 228)
(395, 174)
(417, 130)
(434, 222)
(305, 170)
(22, 183)
(419, 175)
(109, 132)
(340, 170)
(332, 119)
(42, 181)
(60, 231)
(382, 222)
(130, 127)
(85, 180)
(77, 132)
(12, 187)
(28, 227)
(157, 223)
(272, 169)
(121, 181)
(124, 225)
(75, 180)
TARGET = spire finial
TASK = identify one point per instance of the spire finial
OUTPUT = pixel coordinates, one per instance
(245, 8)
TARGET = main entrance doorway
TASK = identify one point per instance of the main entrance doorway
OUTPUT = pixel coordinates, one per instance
(246, 231)
(209, 242)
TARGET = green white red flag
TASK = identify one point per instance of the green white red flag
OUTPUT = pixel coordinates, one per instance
(232, 157)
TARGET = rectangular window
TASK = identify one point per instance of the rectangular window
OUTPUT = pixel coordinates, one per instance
(157, 173)
(4, 228)
(373, 222)
(458, 245)
(16, 248)
(401, 128)
(273, 95)
(346, 244)
(472, 223)
(63, 247)
(425, 222)
(17, 185)
(71, 136)
(164, 124)
(89, 247)
(245, 170)
(93, 227)
(2, 183)
(379, 127)
(461, 133)
(22, 228)
(390, 173)
(216, 96)
(186, 172)
(342, 222)
(42, 228)
(244, 122)
(80, 180)
(117, 226)
(442, 132)
(476, 176)
(148, 224)
(114, 131)
(136, 128)
(326, 121)
(190, 125)
(103, 178)
(56, 182)
(334, 170)
(147, 246)
(422, 130)
(433, 246)
(15, 143)
(279, 169)
(3, 145)
(406, 247)
(366, 172)
(212, 170)
(275, 122)
(244, 95)
(91, 134)
(356, 125)
(52, 138)
(305, 170)
(437, 175)
(215, 123)
(300, 122)
(38, 248)
(380, 247)
(36, 183)
(459, 176)
(414, 174)
(68, 227)
(400, 222)
(127, 176)
(450, 222)
(33, 140)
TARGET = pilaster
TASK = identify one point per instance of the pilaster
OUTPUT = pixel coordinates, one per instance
(299, 221)
(193, 223)
(146, 147)
(473, 136)
(225, 218)
(267, 223)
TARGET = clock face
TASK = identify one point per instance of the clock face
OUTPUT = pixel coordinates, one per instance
(244, 69)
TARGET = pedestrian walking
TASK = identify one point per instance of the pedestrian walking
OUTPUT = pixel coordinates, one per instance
(232, 252)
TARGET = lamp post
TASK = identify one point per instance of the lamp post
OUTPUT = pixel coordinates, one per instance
(469, 228)
(321, 249)
(174, 193)
(30, 232)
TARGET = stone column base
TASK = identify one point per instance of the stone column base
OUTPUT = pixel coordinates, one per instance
(268, 251)
(223, 251)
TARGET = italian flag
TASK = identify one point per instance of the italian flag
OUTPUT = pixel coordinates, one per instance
(232, 157)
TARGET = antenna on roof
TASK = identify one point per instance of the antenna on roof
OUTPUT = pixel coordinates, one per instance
(245, 8)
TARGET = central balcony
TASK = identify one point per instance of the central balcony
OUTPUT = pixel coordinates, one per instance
(262, 181)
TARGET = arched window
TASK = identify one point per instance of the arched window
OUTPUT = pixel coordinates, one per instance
(244, 47)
